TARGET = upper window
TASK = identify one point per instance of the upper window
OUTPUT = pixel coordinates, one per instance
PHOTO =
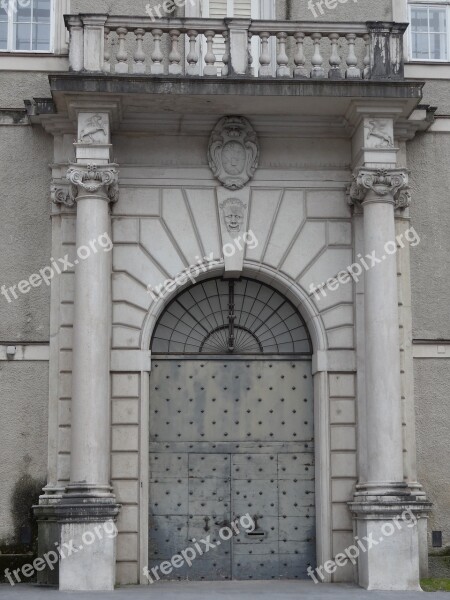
(229, 8)
(26, 25)
(430, 31)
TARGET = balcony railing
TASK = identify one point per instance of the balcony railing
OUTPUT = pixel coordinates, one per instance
(221, 48)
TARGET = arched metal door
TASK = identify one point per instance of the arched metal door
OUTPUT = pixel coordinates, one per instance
(231, 433)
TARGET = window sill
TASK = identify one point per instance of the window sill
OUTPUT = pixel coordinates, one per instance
(427, 62)
(427, 70)
(33, 61)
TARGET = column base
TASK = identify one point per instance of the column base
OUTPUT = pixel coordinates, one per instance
(88, 543)
(388, 528)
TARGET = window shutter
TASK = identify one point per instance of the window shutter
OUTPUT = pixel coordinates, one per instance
(217, 9)
(242, 9)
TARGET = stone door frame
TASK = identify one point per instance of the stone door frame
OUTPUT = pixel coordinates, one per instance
(316, 328)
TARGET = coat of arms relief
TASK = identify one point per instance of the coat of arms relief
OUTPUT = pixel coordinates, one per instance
(233, 152)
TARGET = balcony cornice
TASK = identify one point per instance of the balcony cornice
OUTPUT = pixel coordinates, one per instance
(192, 95)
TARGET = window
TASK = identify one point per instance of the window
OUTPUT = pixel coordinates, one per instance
(430, 31)
(26, 25)
(230, 8)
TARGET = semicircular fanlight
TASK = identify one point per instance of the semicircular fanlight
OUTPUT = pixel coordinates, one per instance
(231, 317)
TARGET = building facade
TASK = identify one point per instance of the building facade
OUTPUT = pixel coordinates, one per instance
(224, 290)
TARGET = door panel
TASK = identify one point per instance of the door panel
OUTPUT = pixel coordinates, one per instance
(227, 439)
(168, 536)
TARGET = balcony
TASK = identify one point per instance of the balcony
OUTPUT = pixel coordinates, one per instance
(286, 69)
(189, 48)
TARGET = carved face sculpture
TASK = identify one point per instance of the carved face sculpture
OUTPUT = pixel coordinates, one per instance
(233, 215)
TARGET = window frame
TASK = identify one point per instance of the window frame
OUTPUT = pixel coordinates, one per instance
(429, 4)
(55, 15)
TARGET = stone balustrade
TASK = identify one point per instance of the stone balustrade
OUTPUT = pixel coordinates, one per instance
(235, 48)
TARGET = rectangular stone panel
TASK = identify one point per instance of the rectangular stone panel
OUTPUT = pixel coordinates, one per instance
(125, 385)
(125, 437)
(343, 437)
(127, 546)
(125, 465)
(125, 411)
(342, 385)
(343, 464)
(342, 411)
(126, 491)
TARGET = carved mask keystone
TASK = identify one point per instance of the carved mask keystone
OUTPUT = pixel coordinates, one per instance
(233, 152)
(233, 214)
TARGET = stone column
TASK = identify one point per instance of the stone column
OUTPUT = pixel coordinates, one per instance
(88, 508)
(379, 192)
(393, 560)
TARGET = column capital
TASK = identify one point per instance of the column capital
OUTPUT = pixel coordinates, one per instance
(390, 186)
(59, 195)
(92, 179)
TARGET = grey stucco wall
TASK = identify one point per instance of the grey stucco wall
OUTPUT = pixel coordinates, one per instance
(345, 10)
(17, 86)
(23, 442)
(117, 7)
(432, 389)
(437, 93)
(428, 159)
(25, 241)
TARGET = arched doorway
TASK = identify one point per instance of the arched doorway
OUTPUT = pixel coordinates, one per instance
(232, 433)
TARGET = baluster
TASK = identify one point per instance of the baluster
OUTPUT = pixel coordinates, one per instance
(366, 72)
(210, 69)
(300, 72)
(139, 55)
(317, 70)
(264, 58)
(157, 67)
(226, 57)
(107, 55)
(352, 72)
(122, 54)
(283, 69)
(192, 57)
(250, 54)
(175, 55)
(335, 60)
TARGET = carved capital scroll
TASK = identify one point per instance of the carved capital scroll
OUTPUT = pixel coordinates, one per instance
(388, 185)
(102, 180)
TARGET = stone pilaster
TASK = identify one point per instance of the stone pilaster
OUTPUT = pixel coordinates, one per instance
(393, 562)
